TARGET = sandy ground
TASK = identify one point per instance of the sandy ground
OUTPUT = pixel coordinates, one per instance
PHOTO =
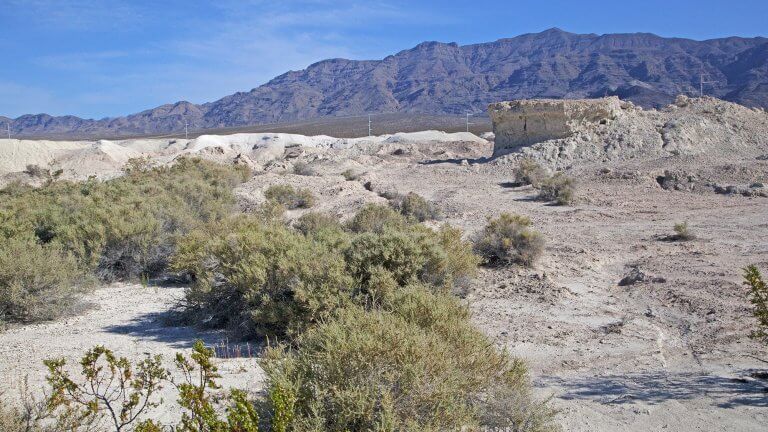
(668, 353)
(128, 319)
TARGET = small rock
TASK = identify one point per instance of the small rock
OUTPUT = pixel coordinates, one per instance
(635, 275)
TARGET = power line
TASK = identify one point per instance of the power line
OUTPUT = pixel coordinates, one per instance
(701, 84)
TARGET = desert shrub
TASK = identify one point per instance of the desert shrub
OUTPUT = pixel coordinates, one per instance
(758, 296)
(460, 259)
(112, 389)
(559, 188)
(509, 239)
(200, 414)
(313, 223)
(415, 206)
(111, 393)
(289, 197)
(376, 218)
(37, 282)
(262, 279)
(268, 279)
(415, 364)
(37, 171)
(440, 259)
(683, 232)
(350, 174)
(125, 227)
(393, 251)
(303, 168)
(529, 172)
(270, 211)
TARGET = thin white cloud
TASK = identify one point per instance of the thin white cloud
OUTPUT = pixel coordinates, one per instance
(73, 14)
(238, 46)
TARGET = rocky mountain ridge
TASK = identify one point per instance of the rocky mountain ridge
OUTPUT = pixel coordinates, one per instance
(445, 78)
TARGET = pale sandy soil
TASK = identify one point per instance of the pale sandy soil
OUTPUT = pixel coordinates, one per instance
(130, 320)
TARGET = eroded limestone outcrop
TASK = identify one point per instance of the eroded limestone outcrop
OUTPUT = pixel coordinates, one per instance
(524, 122)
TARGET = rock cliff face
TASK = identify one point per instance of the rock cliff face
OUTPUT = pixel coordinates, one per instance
(525, 122)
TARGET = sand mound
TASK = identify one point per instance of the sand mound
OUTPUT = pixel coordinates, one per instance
(103, 158)
(15, 155)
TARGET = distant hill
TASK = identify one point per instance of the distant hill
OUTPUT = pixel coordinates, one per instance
(445, 78)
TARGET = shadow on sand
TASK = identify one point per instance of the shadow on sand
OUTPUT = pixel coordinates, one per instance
(657, 387)
(163, 327)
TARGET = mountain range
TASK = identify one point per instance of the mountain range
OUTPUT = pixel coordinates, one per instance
(449, 79)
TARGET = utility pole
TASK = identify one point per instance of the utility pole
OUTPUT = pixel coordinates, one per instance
(186, 131)
(468, 123)
(369, 126)
(8, 127)
(701, 84)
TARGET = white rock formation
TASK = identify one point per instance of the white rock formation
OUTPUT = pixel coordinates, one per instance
(524, 122)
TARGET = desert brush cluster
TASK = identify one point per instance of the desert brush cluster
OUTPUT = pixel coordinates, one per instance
(364, 329)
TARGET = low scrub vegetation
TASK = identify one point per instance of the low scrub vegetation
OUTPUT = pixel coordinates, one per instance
(529, 172)
(304, 169)
(289, 197)
(414, 363)
(509, 239)
(372, 338)
(683, 232)
(350, 174)
(123, 228)
(414, 206)
(269, 279)
(113, 394)
(368, 334)
(559, 188)
(758, 296)
(376, 218)
(36, 282)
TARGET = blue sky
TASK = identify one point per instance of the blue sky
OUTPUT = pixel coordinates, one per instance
(106, 58)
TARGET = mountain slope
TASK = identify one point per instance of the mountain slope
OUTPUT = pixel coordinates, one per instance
(445, 78)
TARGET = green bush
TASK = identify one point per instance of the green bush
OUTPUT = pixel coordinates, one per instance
(415, 206)
(304, 169)
(529, 172)
(440, 259)
(268, 279)
(683, 232)
(289, 197)
(350, 175)
(36, 282)
(314, 223)
(111, 393)
(376, 218)
(508, 239)
(758, 296)
(415, 364)
(262, 279)
(559, 188)
(125, 227)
